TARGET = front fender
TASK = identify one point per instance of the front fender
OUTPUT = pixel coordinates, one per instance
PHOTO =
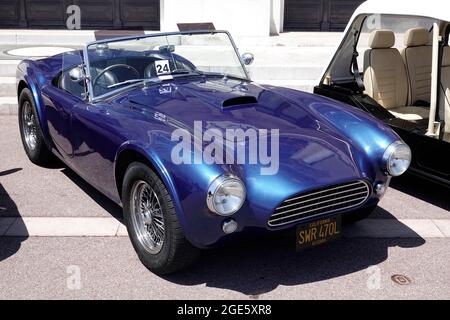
(155, 162)
(169, 175)
(369, 136)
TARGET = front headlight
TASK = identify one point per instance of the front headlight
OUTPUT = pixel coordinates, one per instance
(226, 195)
(397, 158)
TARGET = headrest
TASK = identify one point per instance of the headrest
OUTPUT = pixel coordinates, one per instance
(446, 57)
(382, 39)
(417, 37)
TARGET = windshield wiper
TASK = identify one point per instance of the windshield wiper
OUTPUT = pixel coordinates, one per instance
(181, 71)
(205, 74)
(125, 82)
(219, 74)
(195, 72)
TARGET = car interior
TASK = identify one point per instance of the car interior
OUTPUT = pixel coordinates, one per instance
(394, 81)
(111, 70)
(400, 81)
(444, 112)
(64, 82)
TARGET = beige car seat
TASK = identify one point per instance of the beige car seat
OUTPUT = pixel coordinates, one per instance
(418, 56)
(386, 79)
(445, 91)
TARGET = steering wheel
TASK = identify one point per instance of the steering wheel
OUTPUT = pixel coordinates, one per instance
(115, 66)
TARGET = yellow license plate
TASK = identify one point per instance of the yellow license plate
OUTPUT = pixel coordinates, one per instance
(318, 232)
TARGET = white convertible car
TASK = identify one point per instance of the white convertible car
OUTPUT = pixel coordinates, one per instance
(394, 62)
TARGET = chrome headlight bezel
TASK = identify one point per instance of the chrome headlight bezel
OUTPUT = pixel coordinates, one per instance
(389, 158)
(216, 186)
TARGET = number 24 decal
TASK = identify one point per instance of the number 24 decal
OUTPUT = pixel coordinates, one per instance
(162, 67)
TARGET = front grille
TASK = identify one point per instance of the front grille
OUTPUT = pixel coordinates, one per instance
(320, 202)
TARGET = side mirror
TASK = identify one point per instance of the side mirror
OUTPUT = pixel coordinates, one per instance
(77, 74)
(167, 49)
(102, 49)
(247, 58)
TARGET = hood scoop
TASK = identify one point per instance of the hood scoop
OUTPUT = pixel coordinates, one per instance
(238, 101)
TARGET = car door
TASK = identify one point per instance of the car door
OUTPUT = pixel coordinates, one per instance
(58, 108)
(431, 156)
(59, 98)
(82, 132)
(95, 139)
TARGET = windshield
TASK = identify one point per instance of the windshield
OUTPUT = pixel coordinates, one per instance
(118, 64)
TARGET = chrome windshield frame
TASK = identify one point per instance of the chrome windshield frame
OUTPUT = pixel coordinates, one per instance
(93, 99)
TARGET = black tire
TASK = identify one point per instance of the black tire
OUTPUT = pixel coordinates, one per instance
(177, 253)
(361, 214)
(39, 154)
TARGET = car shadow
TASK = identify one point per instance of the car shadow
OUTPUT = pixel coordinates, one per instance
(380, 213)
(258, 266)
(424, 190)
(261, 265)
(112, 208)
(9, 218)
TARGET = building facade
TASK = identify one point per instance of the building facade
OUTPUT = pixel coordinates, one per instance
(243, 17)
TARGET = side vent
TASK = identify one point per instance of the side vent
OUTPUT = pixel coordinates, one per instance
(238, 101)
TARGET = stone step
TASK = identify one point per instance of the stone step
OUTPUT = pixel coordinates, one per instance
(285, 72)
(264, 55)
(77, 37)
(45, 37)
(305, 85)
(7, 86)
(8, 105)
(271, 62)
(294, 39)
(275, 72)
(292, 56)
(8, 68)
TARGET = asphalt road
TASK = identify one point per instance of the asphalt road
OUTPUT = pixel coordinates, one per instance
(107, 267)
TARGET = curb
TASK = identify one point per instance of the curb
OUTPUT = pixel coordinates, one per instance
(110, 227)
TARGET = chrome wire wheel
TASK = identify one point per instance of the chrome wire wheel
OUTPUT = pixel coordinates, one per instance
(29, 125)
(147, 217)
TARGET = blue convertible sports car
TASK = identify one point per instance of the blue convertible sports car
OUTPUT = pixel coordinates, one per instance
(149, 121)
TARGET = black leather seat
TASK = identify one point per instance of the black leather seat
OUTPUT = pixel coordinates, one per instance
(150, 71)
(75, 88)
(177, 64)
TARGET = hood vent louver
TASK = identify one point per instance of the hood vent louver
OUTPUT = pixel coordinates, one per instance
(238, 101)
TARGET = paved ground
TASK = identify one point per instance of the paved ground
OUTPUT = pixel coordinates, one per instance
(414, 213)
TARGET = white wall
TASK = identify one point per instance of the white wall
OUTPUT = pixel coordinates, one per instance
(277, 16)
(240, 17)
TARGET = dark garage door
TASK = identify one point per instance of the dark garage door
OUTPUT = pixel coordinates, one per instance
(315, 15)
(95, 14)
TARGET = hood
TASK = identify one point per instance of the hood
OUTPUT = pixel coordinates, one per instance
(224, 104)
(315, 148)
